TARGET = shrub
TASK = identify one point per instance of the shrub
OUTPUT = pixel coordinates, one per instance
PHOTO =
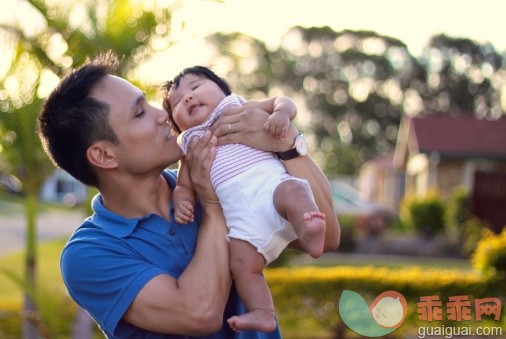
(54, 317)
(10, 319)
(457, 213)
(463, 229)
(425, 214)
(490, 255)
(472, 231)
(372, 225)
(307, 298)
(348, 232)
(490, 259)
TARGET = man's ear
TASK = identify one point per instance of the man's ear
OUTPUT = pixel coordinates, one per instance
(101, 154)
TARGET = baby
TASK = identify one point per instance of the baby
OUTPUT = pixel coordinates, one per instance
(265, 208)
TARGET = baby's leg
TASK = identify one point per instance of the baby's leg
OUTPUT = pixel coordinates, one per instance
(246, 265)
(294, 201)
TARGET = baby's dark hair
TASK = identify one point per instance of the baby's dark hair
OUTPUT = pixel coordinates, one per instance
(200, 71)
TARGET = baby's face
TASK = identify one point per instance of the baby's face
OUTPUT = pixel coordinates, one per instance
(193, 101)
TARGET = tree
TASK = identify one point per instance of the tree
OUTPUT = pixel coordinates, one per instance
(349, 85)
(463, 77)
(353, 87)
(70, 31)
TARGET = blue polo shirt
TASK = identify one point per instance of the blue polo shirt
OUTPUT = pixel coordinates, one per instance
(109, 258)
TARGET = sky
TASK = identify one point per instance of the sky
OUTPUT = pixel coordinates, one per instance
(412, 22)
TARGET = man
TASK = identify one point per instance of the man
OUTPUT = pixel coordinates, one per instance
(137, 272)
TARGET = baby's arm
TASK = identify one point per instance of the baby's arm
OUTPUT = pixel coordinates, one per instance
(184, 195)
(282, 110)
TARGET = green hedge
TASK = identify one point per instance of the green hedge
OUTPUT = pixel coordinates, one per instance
(307, 298)
(490, 254)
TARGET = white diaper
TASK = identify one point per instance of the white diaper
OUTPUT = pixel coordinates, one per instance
(248, 205)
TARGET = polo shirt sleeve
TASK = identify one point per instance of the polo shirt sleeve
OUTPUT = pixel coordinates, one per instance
(104, 277)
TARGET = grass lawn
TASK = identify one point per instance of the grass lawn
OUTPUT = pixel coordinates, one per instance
(11, 204)
(379, 260)
(48, 274)
(56, 309)
(48, 271)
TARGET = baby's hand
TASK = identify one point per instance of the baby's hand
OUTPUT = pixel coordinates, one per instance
(184, 212)
(277, 125)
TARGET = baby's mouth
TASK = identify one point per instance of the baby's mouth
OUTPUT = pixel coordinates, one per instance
(192, 109)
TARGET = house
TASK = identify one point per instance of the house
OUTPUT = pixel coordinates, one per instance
(443, 152)
(381, 182)
(61, 187)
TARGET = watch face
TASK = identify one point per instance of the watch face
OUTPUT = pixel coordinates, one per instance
(301, 145)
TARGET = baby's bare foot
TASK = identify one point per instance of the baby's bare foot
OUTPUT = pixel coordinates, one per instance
(314, 236)
(256, 320)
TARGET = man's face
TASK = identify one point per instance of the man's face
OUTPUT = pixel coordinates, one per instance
(193, 101)
(145, 139)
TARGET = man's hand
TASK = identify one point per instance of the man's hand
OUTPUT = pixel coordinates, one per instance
(245, 125)
(200, 156)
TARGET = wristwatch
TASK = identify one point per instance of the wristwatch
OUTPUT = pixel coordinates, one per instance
(299, 148)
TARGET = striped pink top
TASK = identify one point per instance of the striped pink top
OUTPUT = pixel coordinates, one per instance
(231, 159)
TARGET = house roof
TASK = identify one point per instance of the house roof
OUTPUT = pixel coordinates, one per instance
(459, 137)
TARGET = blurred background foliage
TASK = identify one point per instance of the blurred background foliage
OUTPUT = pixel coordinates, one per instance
(37, 53)
(353, 87)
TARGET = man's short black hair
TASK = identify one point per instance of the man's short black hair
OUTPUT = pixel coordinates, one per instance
(71, 120)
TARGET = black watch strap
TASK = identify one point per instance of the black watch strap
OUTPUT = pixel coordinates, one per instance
(288, 155)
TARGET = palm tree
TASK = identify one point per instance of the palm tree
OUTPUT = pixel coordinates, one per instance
(71, 32)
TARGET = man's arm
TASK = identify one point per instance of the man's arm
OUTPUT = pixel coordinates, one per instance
(247, 128)
(304, 167)
(194, 303)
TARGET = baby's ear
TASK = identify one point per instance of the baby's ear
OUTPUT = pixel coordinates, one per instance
(101, 154)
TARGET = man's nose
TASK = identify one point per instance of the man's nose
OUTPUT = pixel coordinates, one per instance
(162, 116)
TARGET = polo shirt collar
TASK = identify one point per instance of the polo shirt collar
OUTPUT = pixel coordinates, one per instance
(111, 222)
(114, 223)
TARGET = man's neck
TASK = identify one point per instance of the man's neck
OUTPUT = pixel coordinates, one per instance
(135, 197)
